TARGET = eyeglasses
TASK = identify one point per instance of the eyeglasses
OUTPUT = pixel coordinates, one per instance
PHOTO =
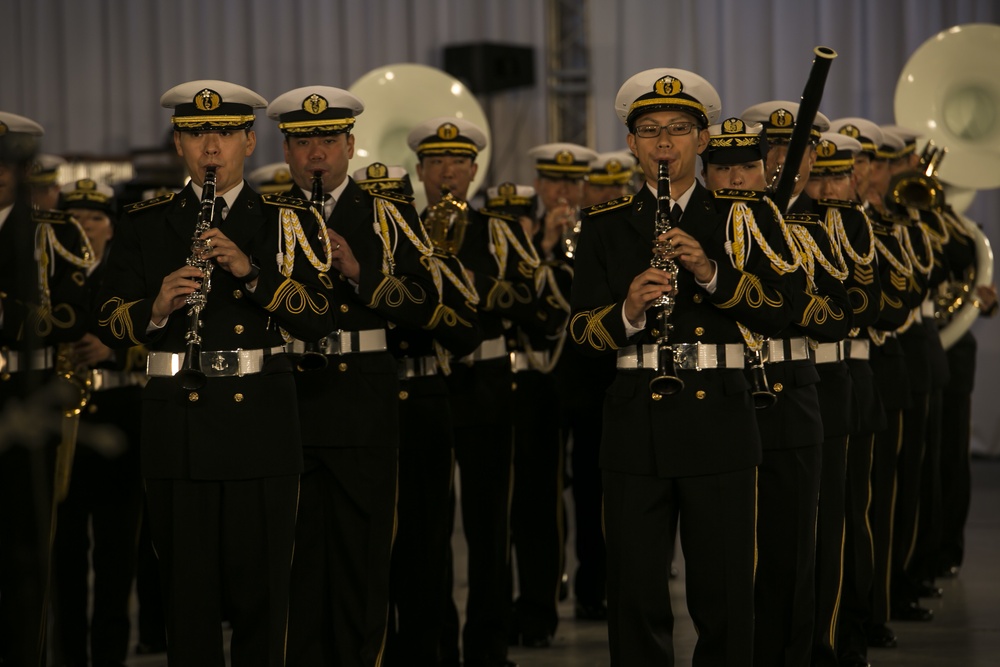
(673, 129)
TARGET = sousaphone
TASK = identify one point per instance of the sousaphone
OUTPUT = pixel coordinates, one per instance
(949, 91)
(399, 97)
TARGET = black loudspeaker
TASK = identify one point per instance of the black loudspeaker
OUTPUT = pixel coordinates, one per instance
(488, 68)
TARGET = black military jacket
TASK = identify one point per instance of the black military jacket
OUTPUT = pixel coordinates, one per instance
(234, 427)
(710, 426)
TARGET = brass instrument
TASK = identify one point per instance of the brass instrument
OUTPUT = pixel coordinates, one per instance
(917, 189)
(446, 222)
(570, 233)
(77, 380)
(191, 375)
(666, 383)
(312, 357)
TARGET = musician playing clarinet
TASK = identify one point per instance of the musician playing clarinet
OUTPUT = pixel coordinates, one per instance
(690, 454)
(221, 449)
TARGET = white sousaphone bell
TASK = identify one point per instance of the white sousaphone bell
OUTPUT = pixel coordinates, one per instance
(949, 92)
(398, 98)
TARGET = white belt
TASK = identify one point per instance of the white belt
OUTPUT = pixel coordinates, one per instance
(494, 348)
(827, 353)
(687, 356)
(416, 367)
(16, 361)
(216, 363)
(855, 348)
(102, 379)
(927, 308)
(345, 342)
(785, 349)
(522, 360)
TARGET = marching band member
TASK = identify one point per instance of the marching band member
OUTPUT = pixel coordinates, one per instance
(43, 307)
(221, 446)
(664, 455)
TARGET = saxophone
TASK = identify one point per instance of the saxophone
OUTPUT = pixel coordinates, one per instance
(446, 222)
(666, 383)
(191, 375)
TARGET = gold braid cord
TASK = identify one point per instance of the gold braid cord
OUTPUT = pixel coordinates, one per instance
(841, 243)
(593, 333)
(912, 254)
(939, 236)
(504, 239)
(877, 337)
(810, 254)
(294, 235)
(902, 263)
(295, 298)
(47, 246)
(545, 275)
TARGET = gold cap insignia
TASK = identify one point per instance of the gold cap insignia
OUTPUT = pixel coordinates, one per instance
(826, 149)
(564, 157)
(86, 184)
(282, 176)
(448, 131)
(668, 86)
(613, 167)
(850, 131)
(507, 190)
(207, 100)
(377, 170)
(733, 126)
(782, 118)
(315, 104)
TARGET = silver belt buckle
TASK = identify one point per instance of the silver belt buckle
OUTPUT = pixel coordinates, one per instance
(221, 363)
(685, 356)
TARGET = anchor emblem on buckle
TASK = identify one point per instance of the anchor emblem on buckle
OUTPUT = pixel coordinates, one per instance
(219, 363)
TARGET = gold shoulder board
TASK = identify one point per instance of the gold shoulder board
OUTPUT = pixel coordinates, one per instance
(802, 218)
(51, 217)
(286, 202)
(155, 201)
(838, 203)
(611, 205)
(394, 197)
(745, 195)
(490, 213)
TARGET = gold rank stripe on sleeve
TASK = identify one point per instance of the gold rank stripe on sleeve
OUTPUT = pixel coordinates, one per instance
(155, 201)
(611, 205)
(745, 195)
(505, 294)
(294, 298)
(802, 218)
(50, 217)
(819, 311)
(587, 328)
(750, 292)
(119, 321)
(286, 202)
(393, 293)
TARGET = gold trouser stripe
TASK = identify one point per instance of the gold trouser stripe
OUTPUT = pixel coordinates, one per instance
(916, 518)
(892, 510)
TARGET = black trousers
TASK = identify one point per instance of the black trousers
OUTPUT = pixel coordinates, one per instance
(343, 542)
(717, 515)
(420, 554)
(225, 549)
(909, 480)
(537, 512)
(956, 435)
(785, 587)
(880, 512)
(856, 596)
(590, 580)
(830, 535)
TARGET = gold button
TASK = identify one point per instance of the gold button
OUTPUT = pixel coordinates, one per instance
(343, 307)
(778, 386)
(5, 377)
(699, 331)
(193, 396)
(656, 396)
(696, 298)
(403, 345)
(91, 408)
(237, 294)
(238, 398)
(403, 395)
(238, 328)
(700, 394)
(655, 333)
(513, 386)
(342, 367)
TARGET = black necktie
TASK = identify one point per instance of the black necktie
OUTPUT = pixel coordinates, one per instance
(220, 203)
(675, 214)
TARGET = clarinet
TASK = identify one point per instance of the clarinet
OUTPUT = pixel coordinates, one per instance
(666, 383)
(312, 357)
(191, 375)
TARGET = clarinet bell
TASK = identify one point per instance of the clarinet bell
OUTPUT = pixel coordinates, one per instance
(311, 360)
(191, 379)
(762, 396)
(666, 384)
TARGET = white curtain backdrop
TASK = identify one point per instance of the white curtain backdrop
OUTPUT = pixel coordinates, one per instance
(92, 71)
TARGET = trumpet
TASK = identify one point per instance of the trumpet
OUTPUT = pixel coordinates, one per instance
(446, 222)
(191, 375)
(570, 233)
(666, 383)
(918, 189)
